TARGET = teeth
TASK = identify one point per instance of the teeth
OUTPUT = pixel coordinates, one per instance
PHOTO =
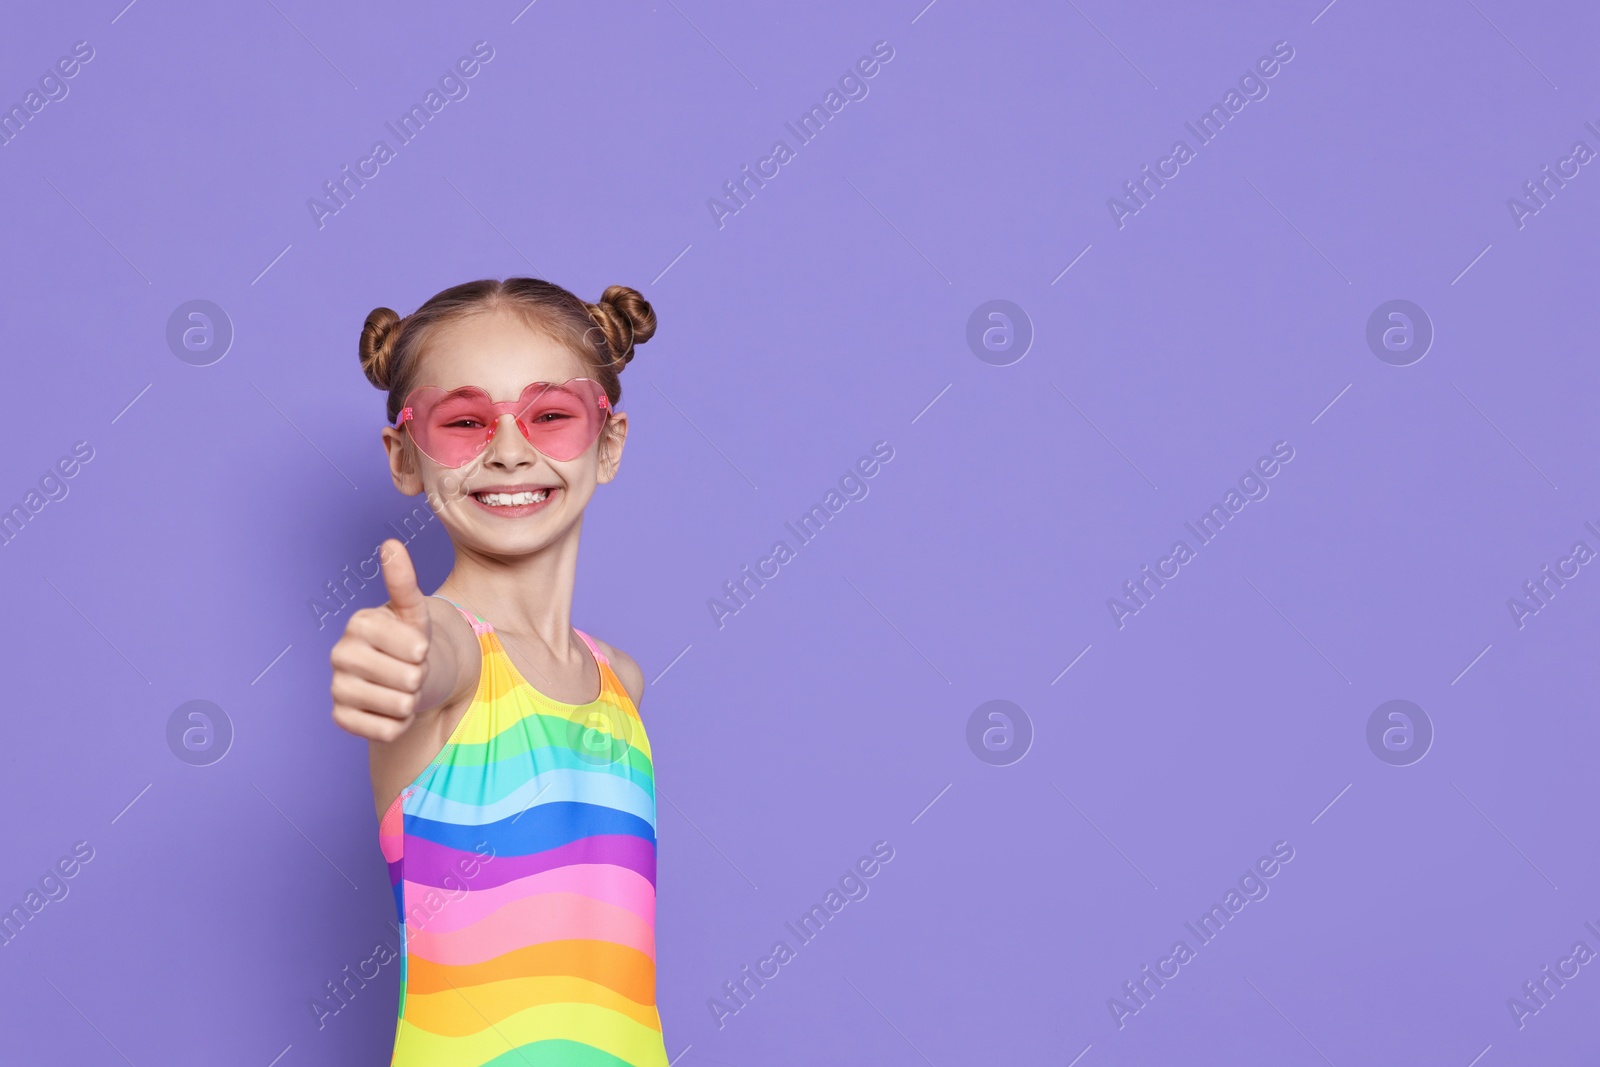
(506, 500)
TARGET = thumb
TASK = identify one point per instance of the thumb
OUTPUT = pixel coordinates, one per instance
(400, 577)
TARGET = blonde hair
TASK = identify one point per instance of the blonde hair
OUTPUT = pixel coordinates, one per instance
(602, 334)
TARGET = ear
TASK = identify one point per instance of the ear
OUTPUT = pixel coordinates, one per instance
(612, 436)
(401, 466)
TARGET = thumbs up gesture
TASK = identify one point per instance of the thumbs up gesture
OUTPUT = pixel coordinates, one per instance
(381, 662)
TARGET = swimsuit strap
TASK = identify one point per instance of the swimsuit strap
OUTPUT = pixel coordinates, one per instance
(479, 624)
(598, 655)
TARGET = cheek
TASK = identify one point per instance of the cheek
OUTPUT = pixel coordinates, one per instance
(580, 477)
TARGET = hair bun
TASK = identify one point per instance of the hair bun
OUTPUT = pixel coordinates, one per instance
(378, 337)
(626, 318)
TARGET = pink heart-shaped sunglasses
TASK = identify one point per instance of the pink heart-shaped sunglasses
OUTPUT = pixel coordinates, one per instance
(453, 427)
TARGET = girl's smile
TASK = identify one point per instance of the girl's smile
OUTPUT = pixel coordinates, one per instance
(514, 501)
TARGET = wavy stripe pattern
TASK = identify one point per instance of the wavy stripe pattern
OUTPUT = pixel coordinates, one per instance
(523, 864)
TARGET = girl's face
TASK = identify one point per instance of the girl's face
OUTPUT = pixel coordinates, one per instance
(501, 354)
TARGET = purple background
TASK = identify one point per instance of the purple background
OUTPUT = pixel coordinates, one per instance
(831, 312)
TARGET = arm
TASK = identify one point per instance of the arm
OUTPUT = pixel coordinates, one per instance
(396, 669)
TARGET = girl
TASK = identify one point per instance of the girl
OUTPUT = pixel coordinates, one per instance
(510, 770)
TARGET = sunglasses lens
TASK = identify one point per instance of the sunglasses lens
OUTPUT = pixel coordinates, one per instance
(562, 421)
(453, 427)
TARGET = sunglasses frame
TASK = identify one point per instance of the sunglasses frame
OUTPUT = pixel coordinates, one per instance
(501, 408)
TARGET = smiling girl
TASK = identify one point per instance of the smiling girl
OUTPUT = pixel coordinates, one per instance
(511, 773)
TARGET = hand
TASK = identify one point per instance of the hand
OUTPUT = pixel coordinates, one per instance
(381, 662)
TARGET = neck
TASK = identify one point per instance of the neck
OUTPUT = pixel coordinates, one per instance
(528, 594)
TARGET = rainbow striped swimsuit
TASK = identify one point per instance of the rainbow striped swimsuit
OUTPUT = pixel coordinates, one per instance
(523, 862)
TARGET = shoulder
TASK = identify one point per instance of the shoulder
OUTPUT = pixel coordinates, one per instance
(449, 620)
(453, 629)
(626, 670)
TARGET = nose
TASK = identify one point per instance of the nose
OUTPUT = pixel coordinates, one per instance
(507, 447)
